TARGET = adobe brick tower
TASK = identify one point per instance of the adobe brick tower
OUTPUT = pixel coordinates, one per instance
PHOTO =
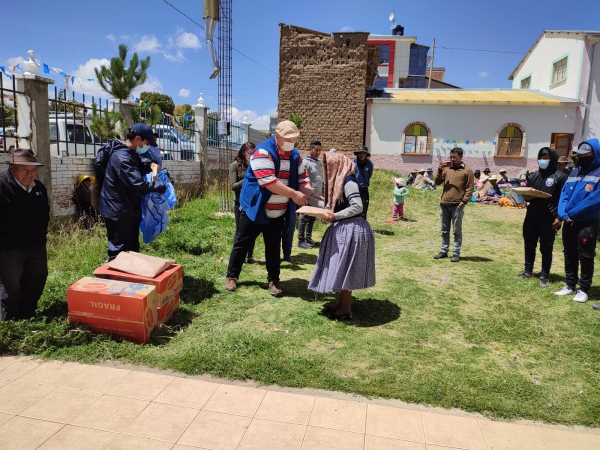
(323, 78)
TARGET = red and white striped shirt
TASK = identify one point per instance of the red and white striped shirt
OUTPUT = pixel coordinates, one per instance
(263, 167)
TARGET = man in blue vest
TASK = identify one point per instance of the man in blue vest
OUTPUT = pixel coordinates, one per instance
(275, 176)
(364, 172)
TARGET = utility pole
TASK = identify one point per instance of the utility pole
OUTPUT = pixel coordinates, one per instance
(431, 67)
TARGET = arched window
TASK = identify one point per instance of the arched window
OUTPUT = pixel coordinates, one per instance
(416, 138)
(510, 140)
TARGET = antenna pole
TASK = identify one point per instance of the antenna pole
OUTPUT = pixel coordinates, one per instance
(431, 67)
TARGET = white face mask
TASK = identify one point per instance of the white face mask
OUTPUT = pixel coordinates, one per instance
(287, 146)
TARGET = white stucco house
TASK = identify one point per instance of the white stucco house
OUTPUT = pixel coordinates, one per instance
(566, 64)
(501, 129)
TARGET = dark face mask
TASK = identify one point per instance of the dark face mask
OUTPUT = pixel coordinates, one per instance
(585, 161)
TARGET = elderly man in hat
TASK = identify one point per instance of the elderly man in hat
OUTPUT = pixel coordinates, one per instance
(24, 217)
(275, 176)
(363, 172)
(562, 164)
(411, 177)
(122, 189)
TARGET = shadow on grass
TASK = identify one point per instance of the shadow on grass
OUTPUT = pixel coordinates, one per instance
(384, 232)
(178, 322)
(369, 312)
(305, 258)
(476, 259)
(196, 290)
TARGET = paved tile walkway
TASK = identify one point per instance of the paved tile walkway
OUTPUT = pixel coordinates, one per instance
(55, 405)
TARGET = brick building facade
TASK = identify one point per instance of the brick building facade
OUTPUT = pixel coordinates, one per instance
(323, 78)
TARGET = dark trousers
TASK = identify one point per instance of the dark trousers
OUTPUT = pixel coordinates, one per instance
(236, 214)
(123, 236)
(534, 229)
(23, 274)
(247, 234)
(287, 236)
(579, 239)
(364, 196)
(306, 227)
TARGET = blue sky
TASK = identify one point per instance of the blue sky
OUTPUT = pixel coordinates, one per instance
(78, 35)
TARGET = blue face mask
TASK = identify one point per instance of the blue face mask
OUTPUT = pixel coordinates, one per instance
(144, 149)
(543, 163)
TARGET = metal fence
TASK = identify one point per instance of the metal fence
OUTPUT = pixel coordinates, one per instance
(70, 124)
(8, 115)
(176, 135)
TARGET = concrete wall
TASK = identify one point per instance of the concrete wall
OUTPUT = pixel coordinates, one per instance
(323, 78)
(540, 64)
(387, 121)
(592, 125)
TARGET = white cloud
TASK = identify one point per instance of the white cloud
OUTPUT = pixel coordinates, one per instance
(184, 92)
(347, 29)
(14, 61)
(111, 38)
(147, 44)
(177, 57)
(258, 122)
(483, 74)
(151, 85)
(86, 71)
(187, 40)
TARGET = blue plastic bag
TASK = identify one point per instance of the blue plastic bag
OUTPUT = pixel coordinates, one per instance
(154, 209)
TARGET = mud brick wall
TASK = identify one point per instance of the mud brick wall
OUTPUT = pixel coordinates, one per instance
(322, 78)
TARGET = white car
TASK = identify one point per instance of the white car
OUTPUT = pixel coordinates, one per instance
(8, 142)
(72, 137)
(173, 144)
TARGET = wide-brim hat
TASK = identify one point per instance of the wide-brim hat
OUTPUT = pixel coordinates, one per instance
(563, 159)
(493, 178)
(477, 171)
(421, 170)
(23, 157)
(362, 149)
(400, 181)
(487, 169)
(414, 171)
(502, 171)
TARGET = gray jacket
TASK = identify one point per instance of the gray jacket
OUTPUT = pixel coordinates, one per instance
(314, 167)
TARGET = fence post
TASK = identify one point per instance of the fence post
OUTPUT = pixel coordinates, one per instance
(34, 121)
(201, 135)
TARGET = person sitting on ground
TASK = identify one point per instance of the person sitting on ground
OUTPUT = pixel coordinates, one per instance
(477, 175)
(487, 171)
(83, 196)
(421, 181)
(490, 193)
(503, 179)
(411, 177)
(400, 192)
(347, 255)
(541, 220)
(237, 172)
(429, 175)
(482, 186)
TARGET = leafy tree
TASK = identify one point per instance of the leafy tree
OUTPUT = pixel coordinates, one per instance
(297, 119)
(65, 104)
(7, 115)
(105, 125)
(119, 81)
(183, 110)
(148, 115)
(163, 101)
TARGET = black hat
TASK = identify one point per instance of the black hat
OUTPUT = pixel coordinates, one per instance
(487, 169)
(477, 171)
(362, 149)
(145, 132)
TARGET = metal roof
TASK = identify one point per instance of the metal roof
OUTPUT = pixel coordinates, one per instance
(512, 75)
(475, 97)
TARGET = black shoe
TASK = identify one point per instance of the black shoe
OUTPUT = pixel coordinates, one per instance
(440, 255)
(311, 242)
(287, 258)
(455, 258)
(544, 282)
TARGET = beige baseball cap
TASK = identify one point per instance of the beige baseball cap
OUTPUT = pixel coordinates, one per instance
(287, 130)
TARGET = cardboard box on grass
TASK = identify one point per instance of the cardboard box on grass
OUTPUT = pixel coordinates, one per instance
(168, 283)
(124, 309)
(168, 309)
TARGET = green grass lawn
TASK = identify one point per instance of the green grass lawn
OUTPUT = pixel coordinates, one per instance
(466, 335)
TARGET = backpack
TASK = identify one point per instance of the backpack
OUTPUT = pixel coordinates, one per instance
(101, 161)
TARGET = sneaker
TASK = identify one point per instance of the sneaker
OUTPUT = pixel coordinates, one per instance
(564, 291)
(309, 241)
(596, 306)
(275, 289)
(455, 258)
(580, 297)
(231, 284)
(304, 245)
(440, 255)
(524, 276)
(287, 258)
(544, 282)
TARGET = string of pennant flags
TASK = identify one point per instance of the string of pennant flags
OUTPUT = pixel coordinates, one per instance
(462, 141)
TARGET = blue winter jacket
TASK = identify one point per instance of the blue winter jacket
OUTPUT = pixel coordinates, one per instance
(363, 172)
(580, 196)
(120, 198)
(253, 197)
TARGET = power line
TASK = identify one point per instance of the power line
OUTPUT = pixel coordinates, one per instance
(480, 50)
(235, 50)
